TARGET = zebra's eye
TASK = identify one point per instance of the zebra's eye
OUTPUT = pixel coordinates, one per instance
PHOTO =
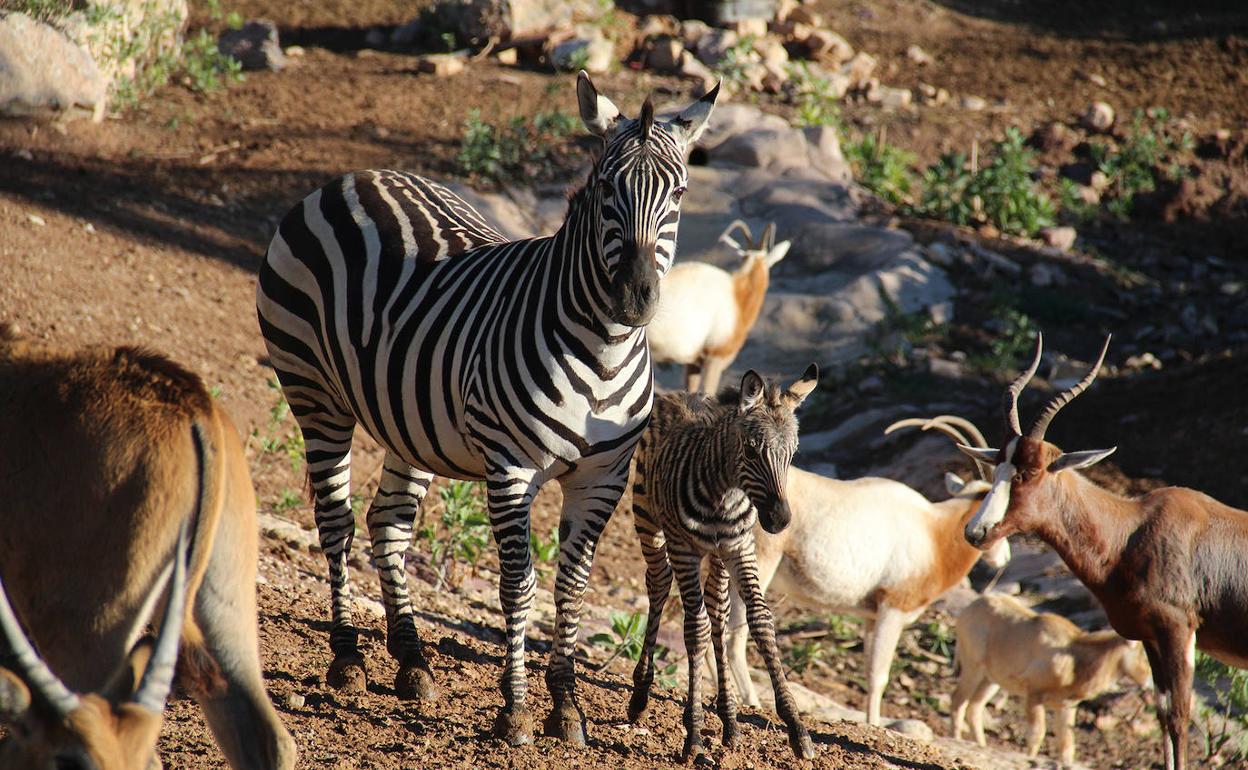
(677, 193)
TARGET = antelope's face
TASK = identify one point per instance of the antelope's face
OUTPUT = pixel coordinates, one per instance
(638, 183)
(767, 432)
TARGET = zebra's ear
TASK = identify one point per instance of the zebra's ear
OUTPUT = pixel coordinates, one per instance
(751, 391)
(798, 391)
(689, 124)
(597, 111)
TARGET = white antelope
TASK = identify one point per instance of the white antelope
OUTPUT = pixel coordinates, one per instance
(1004, 644)
(871, 547)
(1169, 567)
(706, 313)
(101, 471)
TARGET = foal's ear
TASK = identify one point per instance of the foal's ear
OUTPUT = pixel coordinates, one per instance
(751, 391)
(599, 114)
(798, 391)
(1074, 460)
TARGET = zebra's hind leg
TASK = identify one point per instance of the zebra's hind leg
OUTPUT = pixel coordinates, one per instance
(589, 499)
(658, 587)
(686, 563)
(390, 518)
(717, 609)
(510, 493)
(744, 571)
(327, 446)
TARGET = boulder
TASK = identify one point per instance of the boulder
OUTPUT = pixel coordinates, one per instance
(858, 69)
(476, 21)
(730, 119)
(592, 52)
(824, 43)
(664, 53)
(712, 47)
(42, 69)
(255, 45)
(770, 148)
(823, 148)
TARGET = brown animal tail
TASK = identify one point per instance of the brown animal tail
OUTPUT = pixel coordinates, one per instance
(197, 671)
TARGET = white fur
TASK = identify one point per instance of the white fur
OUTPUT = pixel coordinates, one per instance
(693, 314)
(993, 509)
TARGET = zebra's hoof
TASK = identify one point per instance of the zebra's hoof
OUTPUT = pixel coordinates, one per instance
(732, 735)
(565, 723)
(695, 752)
(638, 705)
(415, 683)
(347, 674)
(801, 743)
(514, 726)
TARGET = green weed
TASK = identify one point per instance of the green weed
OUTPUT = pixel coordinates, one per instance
(1225, 724)
(737, 61)
(813, 97)
(288, 500)
(628, 633)
(464, 533)
(937, 637)
(881, 167)
(1139, 162)
(1017, 337)
(545, 552)
(277, 439)
(514, 150)
(803, 655)
(48, 11)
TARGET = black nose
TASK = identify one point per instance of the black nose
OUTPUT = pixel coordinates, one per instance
(975, 536)
(776, 516)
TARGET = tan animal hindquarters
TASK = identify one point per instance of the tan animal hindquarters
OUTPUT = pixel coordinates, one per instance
(1044, 658)
(96, 445)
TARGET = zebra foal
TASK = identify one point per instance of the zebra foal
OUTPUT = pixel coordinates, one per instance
(388, 302)
(707, 468)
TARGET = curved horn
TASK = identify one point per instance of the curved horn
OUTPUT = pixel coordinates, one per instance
(30, 666)
(948, 424)
(1066, 396)
(1010, 402)
(647, 119)
(157, 681)
(768, 238)
(737, 224)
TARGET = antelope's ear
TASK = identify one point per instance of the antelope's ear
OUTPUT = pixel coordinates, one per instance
(778, 253)
(751, 391)
(1075, 460)
(954, 484)
(689, 124)
(14, 697)
(599, 114)
(984, 455)
(798, 391)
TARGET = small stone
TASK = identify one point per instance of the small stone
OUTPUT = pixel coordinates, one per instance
(295, 700)
(692, 32)
(775, 78)
(691, 67)
(440, 64)
(772, 52)
(917, 55)
(826, 43)
(802, 14)
(894, 97)
(973, 103)
(939, 367)
(859, 69)
(594, 53)
(713, 46)
(664, 54)
(940, 253)
(754, 27)
(1088, 194)
(1099, 117)
(507, 56)
(35, 219)
(1059, 237)
(1099, 181)
(940, 313)
(294, 51)
(1040, 275)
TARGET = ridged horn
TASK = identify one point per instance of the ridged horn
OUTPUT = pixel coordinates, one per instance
(1066, 396)
(1010, 402)
(44, 684)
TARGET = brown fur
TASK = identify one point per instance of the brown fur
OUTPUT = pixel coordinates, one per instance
(749, 289)
(953, 559)
(96, 451)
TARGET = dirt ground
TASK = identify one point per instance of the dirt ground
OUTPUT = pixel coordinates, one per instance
(148, 229)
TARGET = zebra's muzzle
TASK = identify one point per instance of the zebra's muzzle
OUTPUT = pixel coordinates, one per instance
(776, 516)
(635, 288)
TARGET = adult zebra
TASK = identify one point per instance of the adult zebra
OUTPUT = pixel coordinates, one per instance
(387, 301)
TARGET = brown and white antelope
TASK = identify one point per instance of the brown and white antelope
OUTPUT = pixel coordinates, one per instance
(1004, 644)
(706, 313)
(100, 472)
(1169, 567)
(872, 547)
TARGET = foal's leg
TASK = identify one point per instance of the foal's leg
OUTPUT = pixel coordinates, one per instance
(686, 564)
(658, 587)
(762, 626)
(717, 608)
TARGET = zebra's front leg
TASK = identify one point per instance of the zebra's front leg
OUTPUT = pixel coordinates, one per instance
(510, 495)
(586, 510)
(390, 518)
(686, 564)
(744, 573)
(717, 609)
(658, 587)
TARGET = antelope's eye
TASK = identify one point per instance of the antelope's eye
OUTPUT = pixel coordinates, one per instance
(677, 193)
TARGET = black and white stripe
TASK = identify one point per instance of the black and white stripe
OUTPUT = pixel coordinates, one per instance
(388, 302)
(707, 467)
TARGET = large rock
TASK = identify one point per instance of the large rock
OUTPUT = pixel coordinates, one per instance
(476, 21)
(771, 148)
(729, 120)
(255, 45)
(42, 69)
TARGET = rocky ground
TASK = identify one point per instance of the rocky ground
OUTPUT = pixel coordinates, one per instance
(147, 227)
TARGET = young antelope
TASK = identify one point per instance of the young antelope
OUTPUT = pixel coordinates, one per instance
(707, 469)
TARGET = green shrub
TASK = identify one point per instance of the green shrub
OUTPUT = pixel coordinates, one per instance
(881, 167)
(1004, 191)
(464, 534)
(514, 150)
(737, 61)
(1136, 165)
(1224, 724)
(813, 97)
(947, 190)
